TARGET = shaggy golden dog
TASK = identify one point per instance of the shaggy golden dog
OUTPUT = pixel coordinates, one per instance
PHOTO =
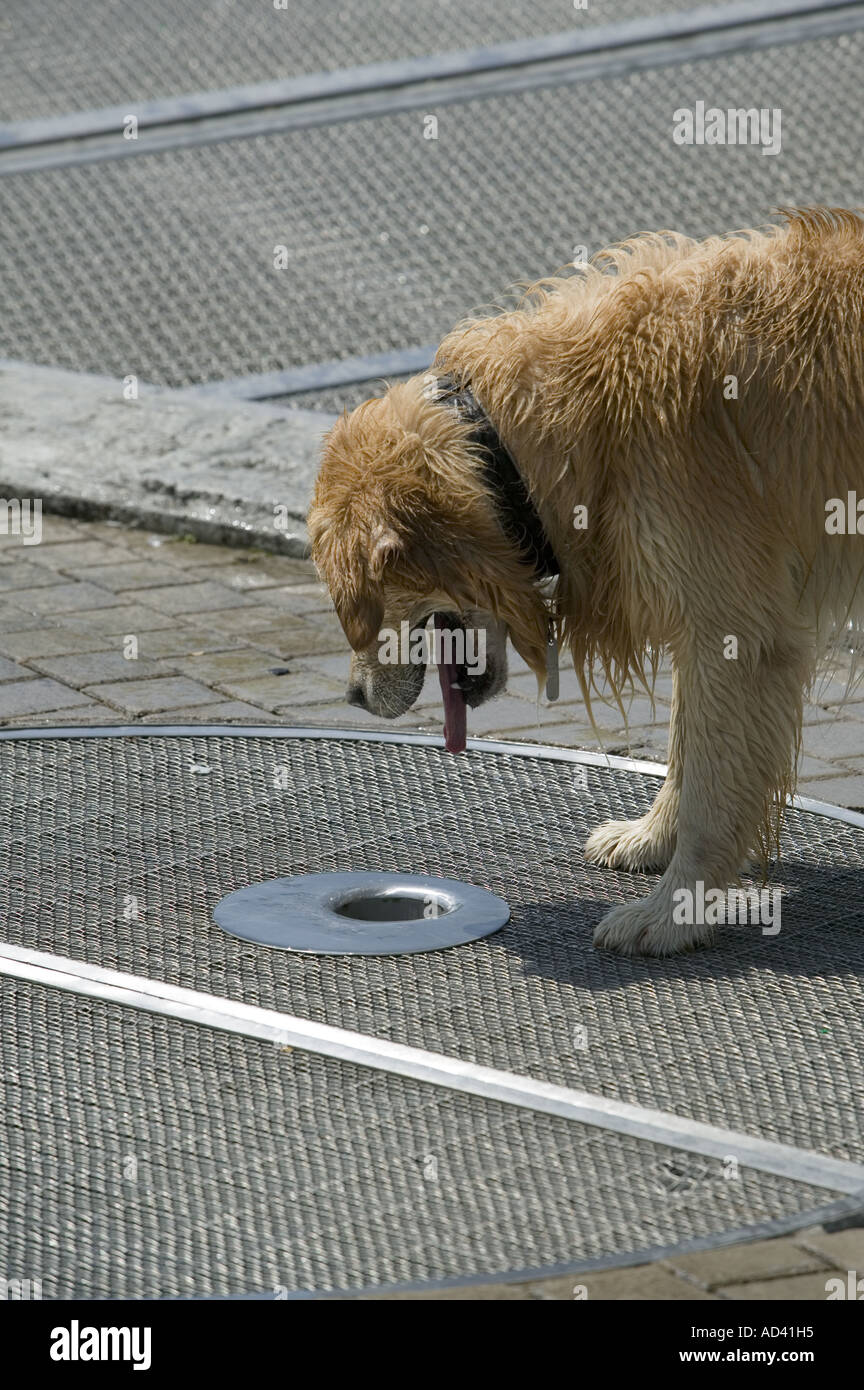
(688, 420)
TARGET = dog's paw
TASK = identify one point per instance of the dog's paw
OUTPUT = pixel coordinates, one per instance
(646, 928)
(636, 845)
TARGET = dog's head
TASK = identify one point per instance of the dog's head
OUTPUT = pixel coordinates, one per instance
(403, 530)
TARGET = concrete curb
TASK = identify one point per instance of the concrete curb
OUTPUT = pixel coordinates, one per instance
(211, 468)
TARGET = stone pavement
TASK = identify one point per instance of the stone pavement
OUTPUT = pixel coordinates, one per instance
(101, 624)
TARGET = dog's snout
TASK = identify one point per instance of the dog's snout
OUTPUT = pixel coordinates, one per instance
(355, 695)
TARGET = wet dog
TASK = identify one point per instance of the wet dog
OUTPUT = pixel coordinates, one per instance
(678, 431)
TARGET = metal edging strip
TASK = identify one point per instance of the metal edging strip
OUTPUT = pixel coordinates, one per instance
(451, 1073)
(315, 376)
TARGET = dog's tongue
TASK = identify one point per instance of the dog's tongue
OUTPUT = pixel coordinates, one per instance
(455, 724)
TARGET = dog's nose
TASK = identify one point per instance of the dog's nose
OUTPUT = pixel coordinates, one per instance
(355, 696)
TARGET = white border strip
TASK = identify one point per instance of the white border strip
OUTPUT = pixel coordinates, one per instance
(248, 1020)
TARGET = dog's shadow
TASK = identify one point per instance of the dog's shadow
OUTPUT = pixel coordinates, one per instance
(821, 934)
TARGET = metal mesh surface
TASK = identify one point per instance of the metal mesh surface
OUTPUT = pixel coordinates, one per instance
(762, 1034)
(145, 1157)
(71, 55)
(163, 266)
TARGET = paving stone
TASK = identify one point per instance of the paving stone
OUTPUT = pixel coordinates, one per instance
(334, 665)
(836, 690)
(817, 714)
(797, 1288)
(345, 716)
(638, 712)
(193, 598)
(190, 554)
(290, 568)
(14, 619)
(54, 529)
(241, 664)
(122, 619)
(11, 671)
(226, 712)
(843, 738)
(33, 696)
(642, 1282)
(95, 667)
(649, 744)
(813, 768)
(64, 598)
(764, 1259)
(275, 692)
(524, 685)
(148, 696)
(79, 553)
(49, 641)
(295, 639)
(23, 575)
(131, 575)
(300, 599)
(843, 1249)
(255, 618)
(506, 712)
(838, 791)
(180, 641)
(272, 571)
(133, 538)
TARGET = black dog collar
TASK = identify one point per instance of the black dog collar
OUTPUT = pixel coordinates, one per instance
(516, 511)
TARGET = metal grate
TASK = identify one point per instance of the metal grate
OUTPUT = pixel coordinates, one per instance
(760, 1034)
(254, 1168)
(163, 265)
(93, 53)
(144, 1157)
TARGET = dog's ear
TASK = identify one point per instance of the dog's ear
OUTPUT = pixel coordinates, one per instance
(360, 608)
(386, 547)
(361, 615)
(345, 566)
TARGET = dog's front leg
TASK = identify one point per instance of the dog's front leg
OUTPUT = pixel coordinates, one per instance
(743, 722)
(649, 842)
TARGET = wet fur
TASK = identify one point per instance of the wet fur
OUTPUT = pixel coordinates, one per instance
(706, 515)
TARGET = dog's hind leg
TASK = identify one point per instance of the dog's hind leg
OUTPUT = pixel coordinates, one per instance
(649, 842)
(743, 724)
